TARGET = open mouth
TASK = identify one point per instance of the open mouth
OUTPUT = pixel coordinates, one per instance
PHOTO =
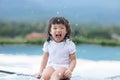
(58, 35)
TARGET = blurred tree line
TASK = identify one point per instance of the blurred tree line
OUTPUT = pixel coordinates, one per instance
(95, 30)
(21, 29)
(14, 29)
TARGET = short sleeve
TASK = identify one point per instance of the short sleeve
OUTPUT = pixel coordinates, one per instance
(72, 48)
(45, 47)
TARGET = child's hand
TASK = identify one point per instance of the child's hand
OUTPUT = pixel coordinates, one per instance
(37, 75)
(68, 73)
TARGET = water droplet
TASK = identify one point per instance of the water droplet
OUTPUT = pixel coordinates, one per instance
(58, 12)
(76, 24)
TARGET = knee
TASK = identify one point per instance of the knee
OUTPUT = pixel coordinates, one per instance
(45, 77)
(56, 76)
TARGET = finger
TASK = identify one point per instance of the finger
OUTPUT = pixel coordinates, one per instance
(67, 75)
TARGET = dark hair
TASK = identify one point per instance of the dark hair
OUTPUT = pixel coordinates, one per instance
(58, 20)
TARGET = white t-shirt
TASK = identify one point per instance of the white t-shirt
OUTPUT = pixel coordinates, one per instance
(59, 52)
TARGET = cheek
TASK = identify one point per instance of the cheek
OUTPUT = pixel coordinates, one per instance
(51, 32)
(65, 31)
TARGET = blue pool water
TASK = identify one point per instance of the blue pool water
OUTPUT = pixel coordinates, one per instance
(92, 52)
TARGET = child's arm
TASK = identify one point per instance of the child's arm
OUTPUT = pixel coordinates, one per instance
(44, 62)
(68, 72)
(42, 66)
(73, 61)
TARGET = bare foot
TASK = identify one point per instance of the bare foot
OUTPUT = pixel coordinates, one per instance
(36, 75)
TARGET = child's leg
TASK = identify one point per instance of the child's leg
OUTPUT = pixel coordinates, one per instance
(58, 74)
(47, 73)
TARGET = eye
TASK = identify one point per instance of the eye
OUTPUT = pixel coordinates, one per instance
(54, 27)
(62, 27)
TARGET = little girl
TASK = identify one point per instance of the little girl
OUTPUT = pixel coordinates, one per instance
(59, 57)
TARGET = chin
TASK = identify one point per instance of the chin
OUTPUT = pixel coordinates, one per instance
(58, 40)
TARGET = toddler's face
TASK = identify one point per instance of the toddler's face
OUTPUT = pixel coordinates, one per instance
(58, 32)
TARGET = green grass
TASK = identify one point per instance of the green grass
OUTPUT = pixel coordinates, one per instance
(76, 40)
(109, 42)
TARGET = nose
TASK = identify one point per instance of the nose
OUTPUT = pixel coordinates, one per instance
(58, 29)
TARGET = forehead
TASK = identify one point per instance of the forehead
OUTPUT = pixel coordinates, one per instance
(57, 25)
